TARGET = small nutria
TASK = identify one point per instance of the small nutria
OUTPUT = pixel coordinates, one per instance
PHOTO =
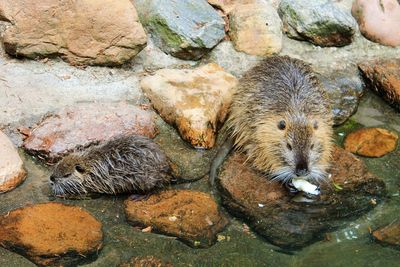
(281, 119)
(124, 164)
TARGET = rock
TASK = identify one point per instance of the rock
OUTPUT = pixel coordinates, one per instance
(383, 76)
(51, 234)
(83, 32)
(270, 210)
(371, 142)
(378, 20)
(185, 29)
(148, 261)
(196, 101)
(389, 234)
(320, 22)
(81, 125)
(193, 217)
(12, 171)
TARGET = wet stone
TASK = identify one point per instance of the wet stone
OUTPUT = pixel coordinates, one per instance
(193, 217)
(378, 20)
(12, 171)
(84, 124)
(52, 234)
(383, 76)
(273, 213)
(371, 142)
(148, 261)
(83, 32)
(389, 234)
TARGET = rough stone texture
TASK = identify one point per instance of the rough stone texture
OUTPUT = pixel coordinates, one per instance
(320, 22)
(273, 212)
(193, 217)
(185, 29)
(389, 234)
(81, 125)
(149, 261)
(196, 101)
(383, 76)
(378, 20)
(51, 234)
(83, 32)
(12, 171)
(371, 142)
(255, 28)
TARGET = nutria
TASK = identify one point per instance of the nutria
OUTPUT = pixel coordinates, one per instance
(280, 118)
(124, 164)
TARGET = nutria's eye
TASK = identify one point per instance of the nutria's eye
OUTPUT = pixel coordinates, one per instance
(312, 146)
(78, 168)
(282, 125)
(315, 125)
(289, 146)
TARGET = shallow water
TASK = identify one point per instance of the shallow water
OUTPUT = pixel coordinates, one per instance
(351, 245)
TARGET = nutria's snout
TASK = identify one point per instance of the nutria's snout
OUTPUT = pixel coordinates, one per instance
(302, 168)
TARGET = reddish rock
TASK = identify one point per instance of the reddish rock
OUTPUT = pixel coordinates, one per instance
(81, 125)
(148, 261)
(389, 234)
(12, 171)
(383, 76)
(273, 212)
(378, 20)
(193, 217)
(371, 142)
(51, 234)
(103, 32)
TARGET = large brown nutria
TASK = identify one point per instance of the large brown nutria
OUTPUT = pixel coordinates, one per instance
(127, 164)
(281, 119)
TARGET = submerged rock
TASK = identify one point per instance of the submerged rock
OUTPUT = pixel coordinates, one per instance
(148, 261)
(320, 22)
(383, 76)
(389, 234)
(273, 213)
(193, 217)
(52, 234)
(185, 29)
(82, 125)
(196, 101)
(12, 171)
(83, 32)
(371, 142)
(378, 20)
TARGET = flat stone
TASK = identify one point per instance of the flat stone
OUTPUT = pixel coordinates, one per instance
(82, 125)
(320, 22)
(193, 217)
(371, 142)
(196, 101)
(83, 32)
(255, 28)
(383, 76)
(272, 212)
(149, 261)
(378, 20)
(185, 29)
(12, 171)
(52, 234)
(389, 234)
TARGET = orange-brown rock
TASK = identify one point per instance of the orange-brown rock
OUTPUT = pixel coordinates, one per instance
(371, 142)
(389, 234)
(103, 32)
(283, 218)
(148, 261)
(193, 217)
(12, 171)
(51, 234)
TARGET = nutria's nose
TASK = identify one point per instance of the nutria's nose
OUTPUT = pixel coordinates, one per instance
(52, 178)
(301, 169)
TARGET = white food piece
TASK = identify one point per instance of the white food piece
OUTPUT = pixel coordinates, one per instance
(303, 185)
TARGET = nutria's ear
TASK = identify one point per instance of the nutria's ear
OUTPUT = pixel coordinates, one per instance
(79, 168)
(282, 125)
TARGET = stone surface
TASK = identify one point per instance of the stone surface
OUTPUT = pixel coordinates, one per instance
(389, 234)
(149, 261)
(81, 125)
(12, 171)
(185, 29)
(273, 212)
(378, 20)
(51, 234)
(196, 101)
(83, 32)
(383, 76)
(320, 22)
(255, 28)
(193, 217)
(371, 142)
